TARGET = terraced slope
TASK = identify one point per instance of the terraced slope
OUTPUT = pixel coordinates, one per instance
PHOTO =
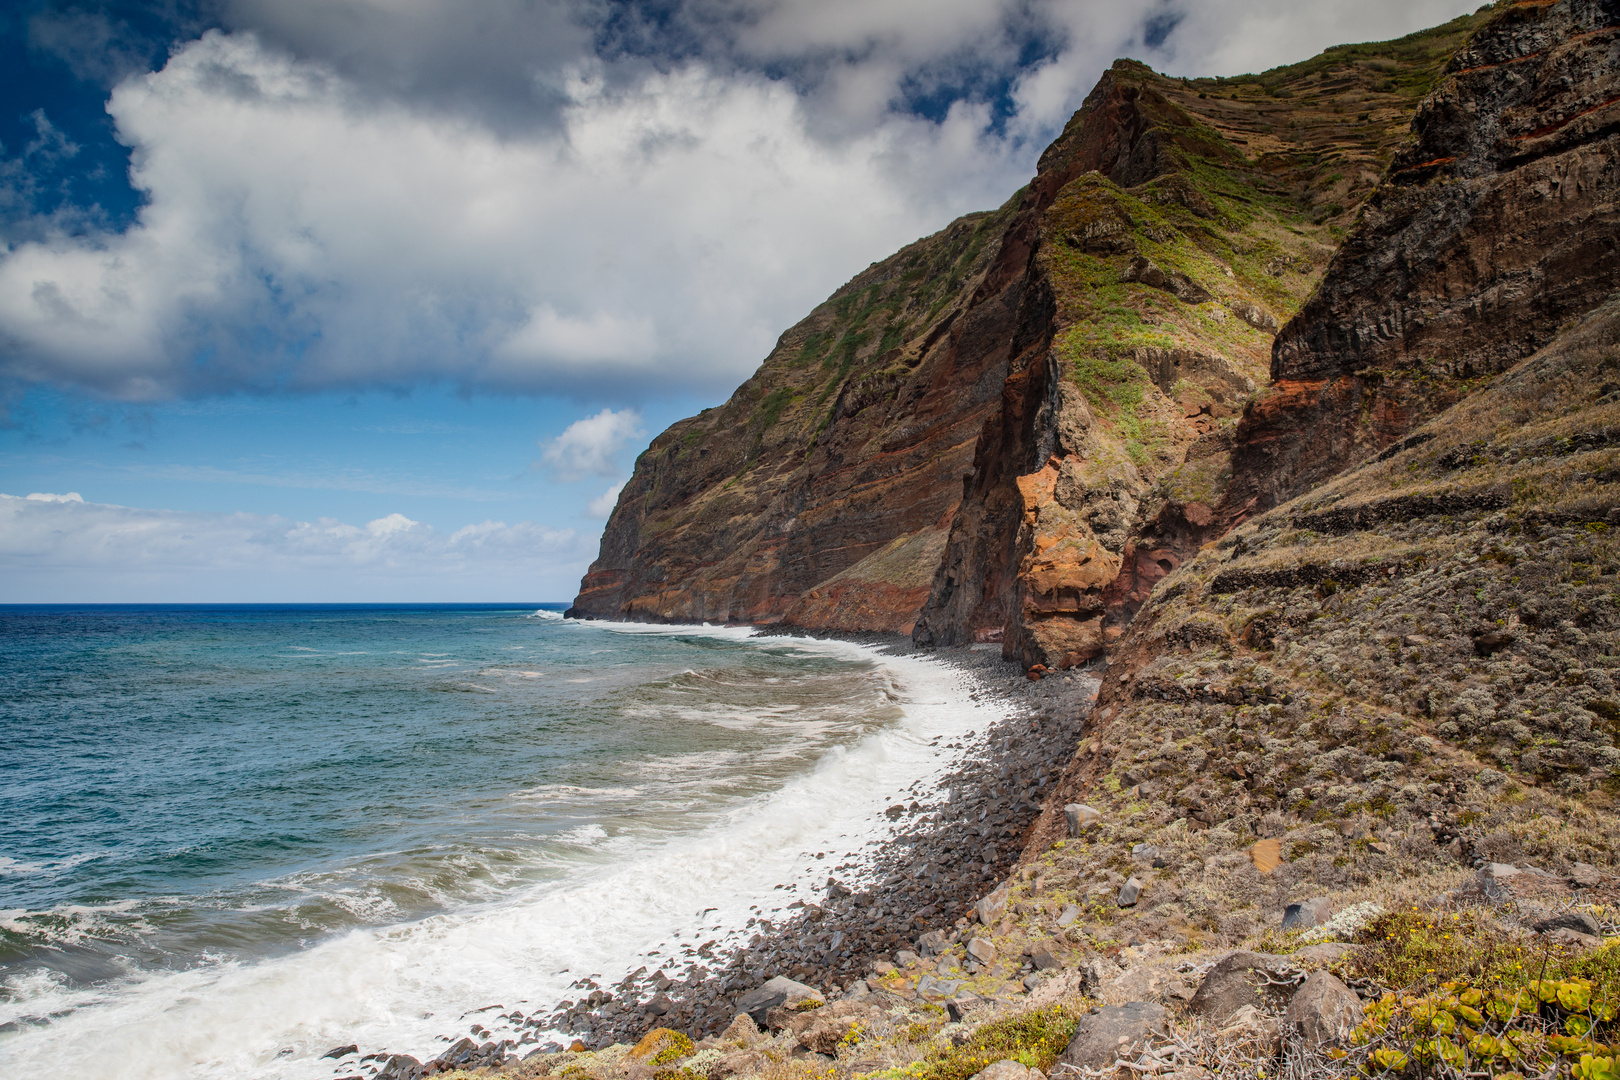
(1413, 667)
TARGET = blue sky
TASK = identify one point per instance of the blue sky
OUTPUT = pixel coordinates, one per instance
(378, 299)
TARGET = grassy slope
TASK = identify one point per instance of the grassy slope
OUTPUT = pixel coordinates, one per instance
(1269, 169)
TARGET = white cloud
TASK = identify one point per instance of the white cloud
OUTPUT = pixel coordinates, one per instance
(60, 548)
(591, 447)
(602, 506)
(361, 194)
(301, 234)
(1234, 37)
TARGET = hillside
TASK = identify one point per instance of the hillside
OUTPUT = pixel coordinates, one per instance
(1287, 407)
(1167, 233)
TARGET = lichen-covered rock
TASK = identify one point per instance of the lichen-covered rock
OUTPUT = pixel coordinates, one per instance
(1113, 1033)
(1243, 979)
(1322, 1011)
(660, 1046)
(777, 992)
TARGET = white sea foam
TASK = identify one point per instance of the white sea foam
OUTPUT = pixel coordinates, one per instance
(10, 867)
(624, 902)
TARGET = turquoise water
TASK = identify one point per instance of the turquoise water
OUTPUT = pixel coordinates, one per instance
(355, 818)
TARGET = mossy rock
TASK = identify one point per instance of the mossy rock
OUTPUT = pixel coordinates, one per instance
(660, 1046)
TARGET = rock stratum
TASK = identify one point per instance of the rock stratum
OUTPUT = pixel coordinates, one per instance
(1012, 429)
(1297, 392)
(1287, 407)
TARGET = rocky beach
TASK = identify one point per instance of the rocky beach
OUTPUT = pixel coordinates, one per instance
(1261, 457)
(953, 845)
(950, 847)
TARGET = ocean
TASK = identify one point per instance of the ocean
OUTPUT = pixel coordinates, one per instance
(233, 837)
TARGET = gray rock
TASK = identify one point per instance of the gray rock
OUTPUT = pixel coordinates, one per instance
(1070, 913)
(1032, 980)
(1081, 817)
(1577, 921)
(1306, 914)
(1255, 315)
(932, 943)
(958, 1007)
(780, 991)
(982, 951)
(1094, 971)
(1044, 959)
(1184, 288)
(1323, 1010)
(1563, 935)
(905, 958)
(1326, 952)
(992, 907)
(459, 1053)
(342, 1051)
(1007, 1069)
(1243, 978)
(930, 988)
(1129, 893)
(1585, 875)
(1502, 882)
(401, 1067)
(1117, 1031)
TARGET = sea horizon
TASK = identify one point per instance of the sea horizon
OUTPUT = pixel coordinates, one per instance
(246, 833)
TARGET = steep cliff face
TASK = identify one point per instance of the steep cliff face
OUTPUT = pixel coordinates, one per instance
(1174, 224)
(821, 491)
(1401, 656)
(1062, 354)
(1497, 224)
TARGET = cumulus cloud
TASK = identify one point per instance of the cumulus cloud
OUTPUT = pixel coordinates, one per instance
(602, 199)
(602, 506)
(591, 447)
(61, 548)
(302, 234)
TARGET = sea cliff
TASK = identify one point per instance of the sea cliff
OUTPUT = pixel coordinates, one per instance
(1288, 406)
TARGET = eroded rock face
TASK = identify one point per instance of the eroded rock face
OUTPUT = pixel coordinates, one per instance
(1101, 471)
(1496, 225)
(821, 492)
(1013, 430)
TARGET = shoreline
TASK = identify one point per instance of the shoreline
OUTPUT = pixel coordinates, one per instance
(962, 839)
(952, 841)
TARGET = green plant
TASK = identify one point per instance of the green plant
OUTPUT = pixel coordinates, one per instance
(1034, 1038)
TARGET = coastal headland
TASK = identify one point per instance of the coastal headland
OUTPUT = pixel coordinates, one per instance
(1264, 452)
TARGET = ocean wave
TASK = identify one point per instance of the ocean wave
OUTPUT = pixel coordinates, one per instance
(10, 867)
(516, 927)
(561, 792)
(76, 924)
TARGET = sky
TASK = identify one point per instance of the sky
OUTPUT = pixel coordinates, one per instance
(377, 300)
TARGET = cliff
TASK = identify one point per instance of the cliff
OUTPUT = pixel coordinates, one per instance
(1494, 225)
(1289, 405)
(1059, 356)
(821, 491)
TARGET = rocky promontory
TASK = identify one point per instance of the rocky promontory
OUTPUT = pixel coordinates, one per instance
(1284, 410)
